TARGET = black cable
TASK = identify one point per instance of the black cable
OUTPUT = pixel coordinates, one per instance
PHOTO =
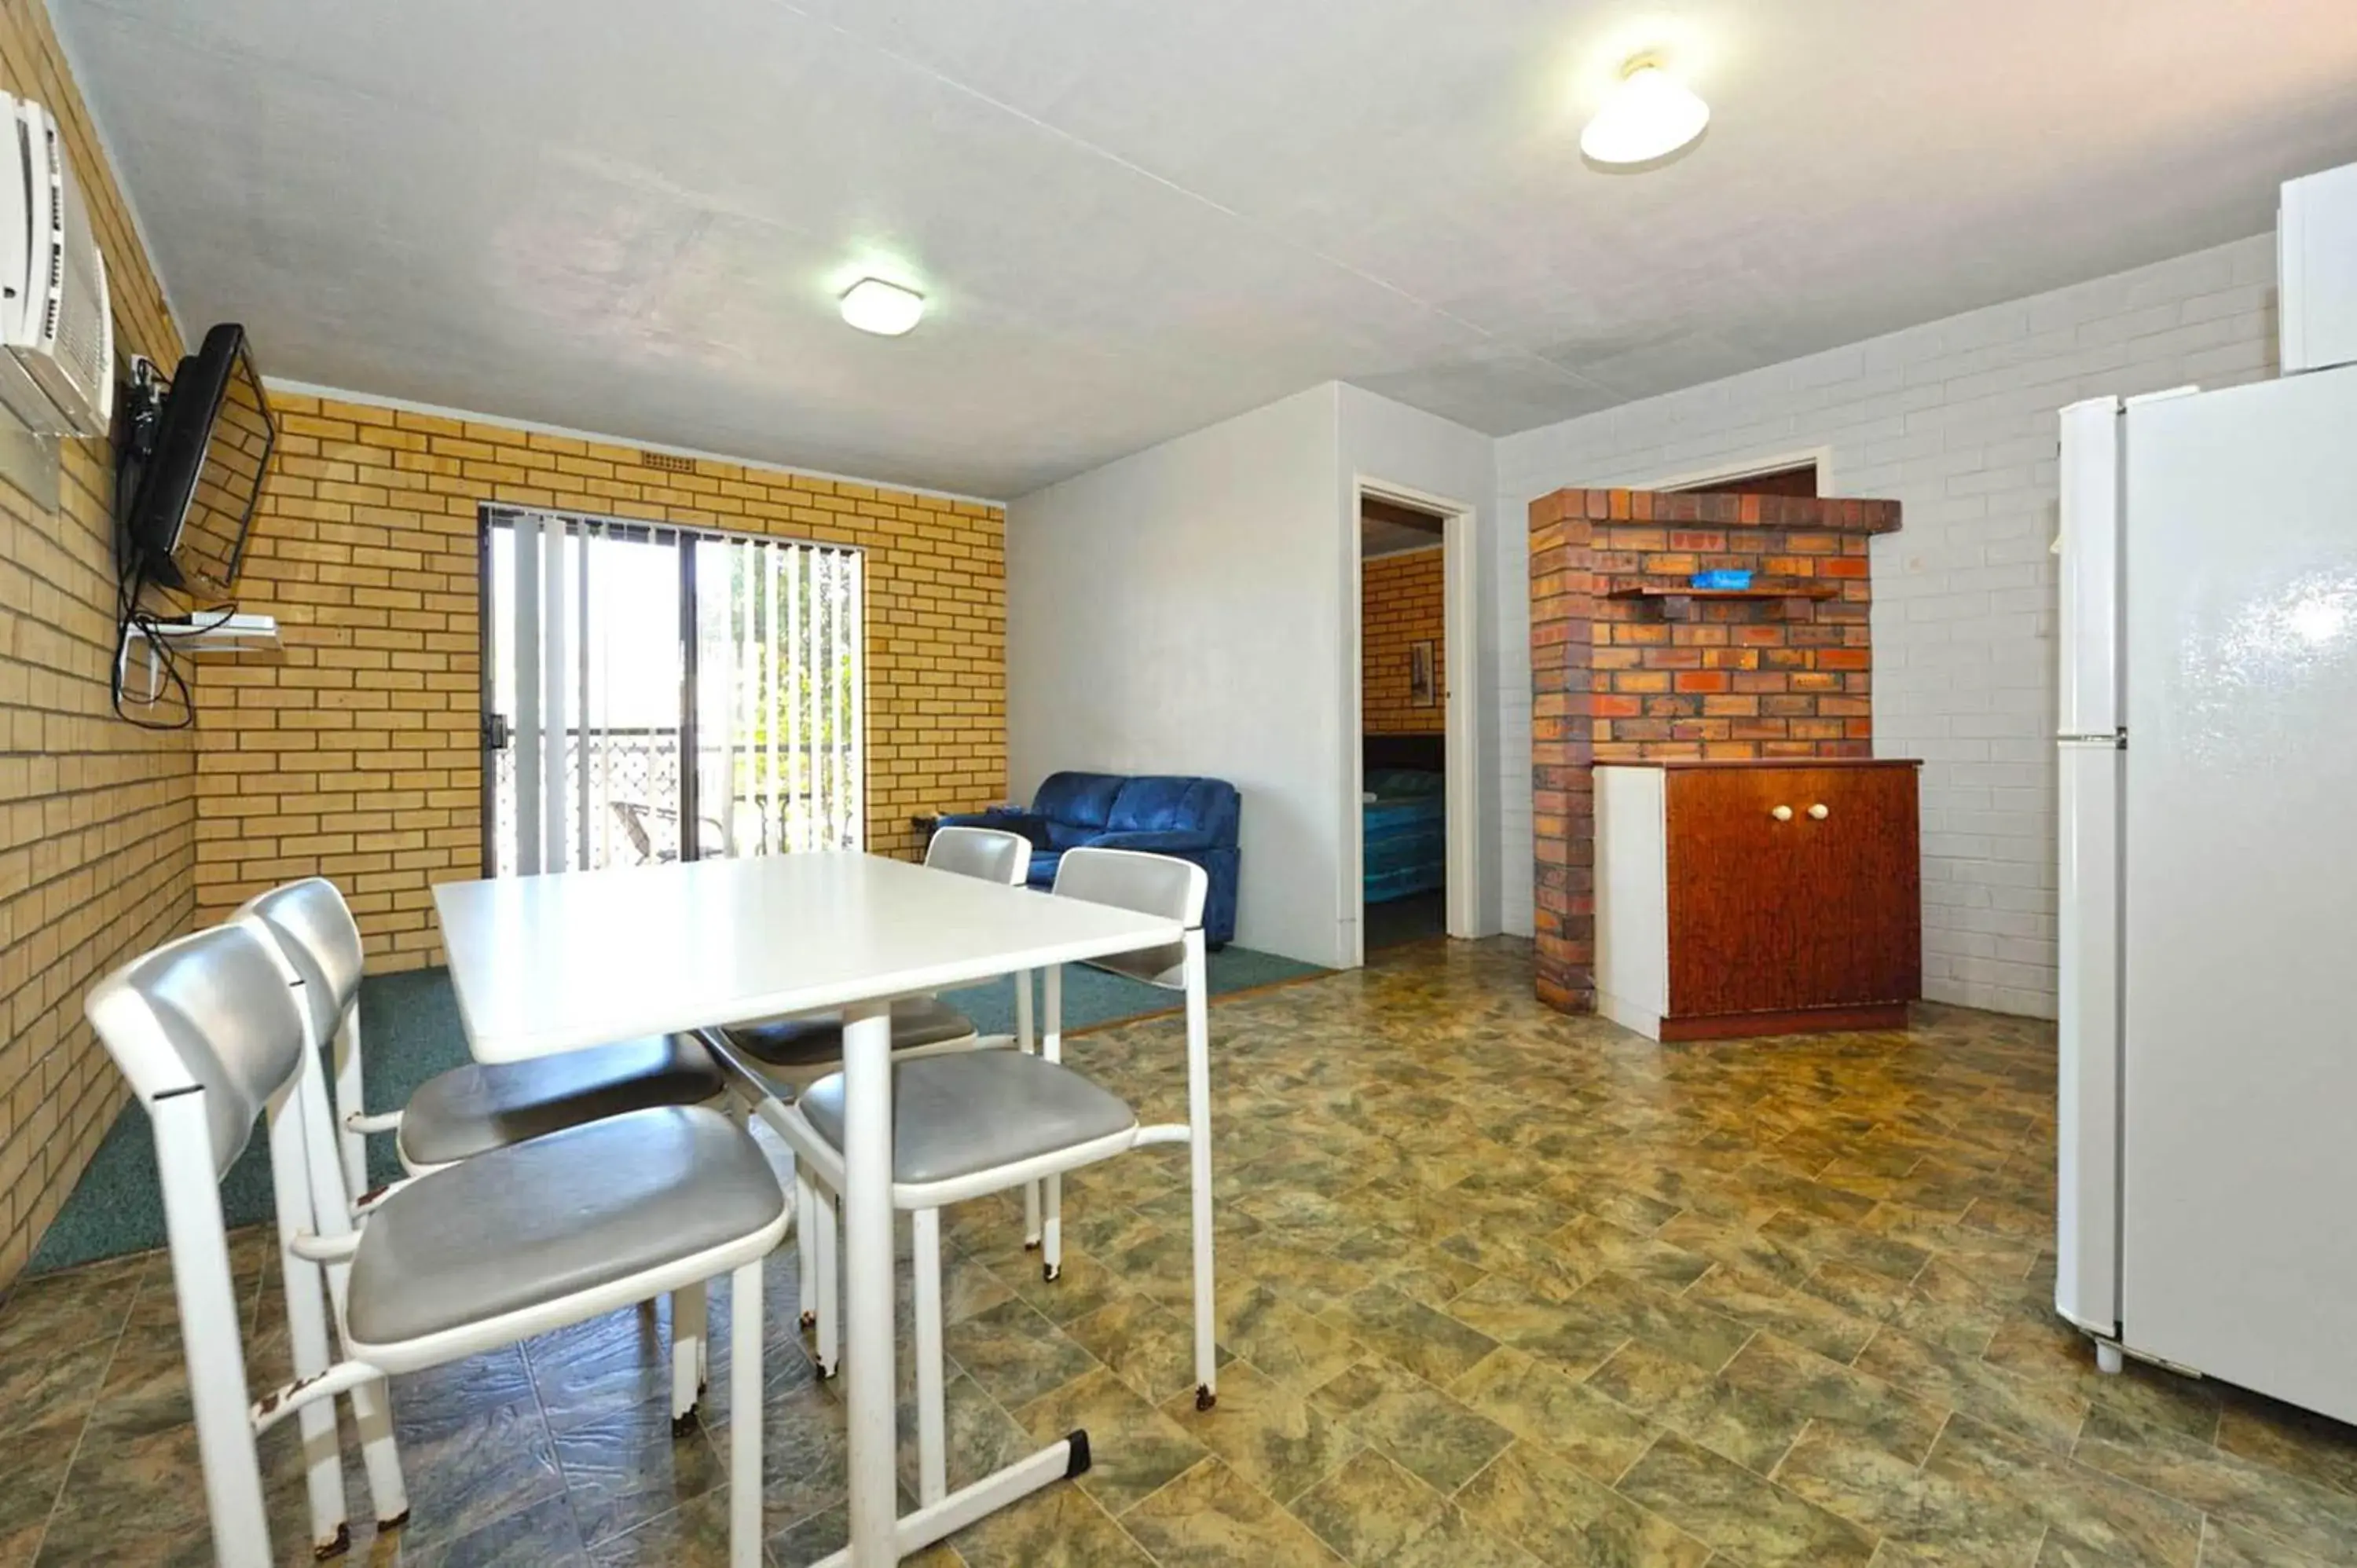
(130, 617)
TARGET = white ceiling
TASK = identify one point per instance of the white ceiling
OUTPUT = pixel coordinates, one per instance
(1136, 217)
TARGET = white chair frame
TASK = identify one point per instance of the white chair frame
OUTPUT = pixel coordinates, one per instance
(354, 1125)
(308, 1177)
(817, 1160)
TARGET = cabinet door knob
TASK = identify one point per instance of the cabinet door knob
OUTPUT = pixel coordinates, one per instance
(1782, 813)
(1818, 811)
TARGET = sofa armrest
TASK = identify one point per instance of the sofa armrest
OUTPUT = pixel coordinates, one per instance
(1166, 843)
(998, 817)
(988, 817)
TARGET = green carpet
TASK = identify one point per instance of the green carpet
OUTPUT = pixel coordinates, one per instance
(410, 1024)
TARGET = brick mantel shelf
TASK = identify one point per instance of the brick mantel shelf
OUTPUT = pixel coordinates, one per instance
(1612, 680)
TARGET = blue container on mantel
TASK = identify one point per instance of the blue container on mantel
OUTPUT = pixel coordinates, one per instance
(1722, 578)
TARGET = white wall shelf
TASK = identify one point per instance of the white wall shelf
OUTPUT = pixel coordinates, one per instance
(215, 634)
(204, 634)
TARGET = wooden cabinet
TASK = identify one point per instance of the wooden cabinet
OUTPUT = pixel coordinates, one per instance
(1756, 898)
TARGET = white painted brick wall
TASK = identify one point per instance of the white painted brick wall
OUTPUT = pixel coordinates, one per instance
(1955, 421)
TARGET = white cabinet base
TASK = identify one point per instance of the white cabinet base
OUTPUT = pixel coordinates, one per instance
(1633, 898)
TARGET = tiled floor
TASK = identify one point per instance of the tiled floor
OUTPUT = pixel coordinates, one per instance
(1498, 1288)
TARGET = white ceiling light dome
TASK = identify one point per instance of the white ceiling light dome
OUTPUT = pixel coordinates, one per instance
(884, 309)
(1649, 115)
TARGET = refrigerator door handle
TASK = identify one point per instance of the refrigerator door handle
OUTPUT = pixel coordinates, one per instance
(2087, 630)
(2090, 1040)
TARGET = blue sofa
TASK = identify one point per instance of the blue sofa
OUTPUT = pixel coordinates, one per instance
(1194, 818)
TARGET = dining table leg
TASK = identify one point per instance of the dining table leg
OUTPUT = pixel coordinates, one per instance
(867, 1254)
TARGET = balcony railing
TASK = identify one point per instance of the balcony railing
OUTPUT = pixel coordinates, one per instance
(634, 800)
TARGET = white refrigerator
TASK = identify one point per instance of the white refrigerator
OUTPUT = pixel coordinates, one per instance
(2207, 1212)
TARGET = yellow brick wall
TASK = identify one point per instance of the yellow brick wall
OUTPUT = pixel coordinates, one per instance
(1400, 603)
(96, 817)
(353, 755)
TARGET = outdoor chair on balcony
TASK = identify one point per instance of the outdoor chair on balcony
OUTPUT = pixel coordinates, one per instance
(632, 816)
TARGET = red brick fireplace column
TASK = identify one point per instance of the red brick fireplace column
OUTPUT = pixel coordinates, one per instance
(1563, 607)
(1629, 661)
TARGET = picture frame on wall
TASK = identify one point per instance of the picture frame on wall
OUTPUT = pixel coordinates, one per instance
(1423, 691)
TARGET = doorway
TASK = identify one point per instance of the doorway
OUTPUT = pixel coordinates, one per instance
(653, 694)
(1416, 803)
(1789, 479)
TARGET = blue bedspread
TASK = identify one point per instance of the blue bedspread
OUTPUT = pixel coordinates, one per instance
(1406, 834)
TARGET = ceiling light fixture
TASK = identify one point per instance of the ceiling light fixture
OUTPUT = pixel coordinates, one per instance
(1649, 115)
(884, 309)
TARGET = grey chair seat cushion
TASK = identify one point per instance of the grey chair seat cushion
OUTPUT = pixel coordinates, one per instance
(534, 1222)
(815, 1040)
(460, 1113)
(954, 1115)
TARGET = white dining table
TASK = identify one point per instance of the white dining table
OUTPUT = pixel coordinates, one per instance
(568, 959)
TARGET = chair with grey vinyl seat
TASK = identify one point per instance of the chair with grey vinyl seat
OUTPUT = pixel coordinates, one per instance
(469, 1110)
(1099, 881)
(520, 1240)
(779, 1057)
(964, 1126)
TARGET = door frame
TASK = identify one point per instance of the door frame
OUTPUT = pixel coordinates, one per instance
(1749, 467)
(1461, 665)
(486, 709)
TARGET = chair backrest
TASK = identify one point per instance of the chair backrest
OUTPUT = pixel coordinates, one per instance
(315, 929)
(985, 853)
(214, 1011)
(1151, 884)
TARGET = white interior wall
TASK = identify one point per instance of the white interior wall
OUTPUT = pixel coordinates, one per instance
(1184, 610)
(1382, 442)
(1955, 420)
(1180, 611)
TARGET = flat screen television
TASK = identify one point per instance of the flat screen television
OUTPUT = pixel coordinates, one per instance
(197, 483)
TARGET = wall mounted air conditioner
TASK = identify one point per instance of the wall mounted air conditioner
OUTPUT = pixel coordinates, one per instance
(58, 377)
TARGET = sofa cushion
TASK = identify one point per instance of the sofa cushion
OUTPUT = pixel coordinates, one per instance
(1063, 836)
(1162, 803)
(1077, 800)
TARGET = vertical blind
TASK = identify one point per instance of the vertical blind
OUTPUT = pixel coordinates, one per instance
(779, 654)
(669, 692)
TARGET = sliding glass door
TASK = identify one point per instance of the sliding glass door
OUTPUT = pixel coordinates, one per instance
(653, 694)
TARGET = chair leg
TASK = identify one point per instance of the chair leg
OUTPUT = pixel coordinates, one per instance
(806, 1247)
(745, 1425)
(208, 1329)
(1051, 1191)
(686, 1355)
(932, 1424)
(1051, 1229)
(351, 1101)
(332, 1217)
(388, 1492)
(1199, 1170)
(1029, 1046)
(306, 1332)
(830, 1289)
